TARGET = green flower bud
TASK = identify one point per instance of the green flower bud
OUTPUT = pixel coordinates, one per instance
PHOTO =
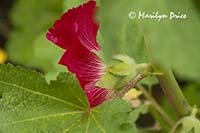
(121, 70)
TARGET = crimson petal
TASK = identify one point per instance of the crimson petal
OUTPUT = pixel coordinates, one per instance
(76, 25)
(87, 66)
(97, 95)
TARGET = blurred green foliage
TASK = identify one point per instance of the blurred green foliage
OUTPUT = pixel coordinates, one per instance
(27, 44)
(72, 3)
(30, 19)
(173, 43)
(192, 93)
(47, 56)
(119, 33)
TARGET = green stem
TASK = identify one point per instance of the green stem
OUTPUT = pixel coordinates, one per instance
(173, 91)
(164, 115)
(156, 115)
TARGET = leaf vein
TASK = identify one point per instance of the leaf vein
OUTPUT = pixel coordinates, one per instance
(87, 126)
(100, 127)
(41, 94)
(42, 117)
(72, 125)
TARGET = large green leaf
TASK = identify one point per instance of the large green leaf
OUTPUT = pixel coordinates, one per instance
(173, 43)
(29, 104)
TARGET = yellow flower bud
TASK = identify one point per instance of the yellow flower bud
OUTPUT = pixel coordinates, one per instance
(132, 94)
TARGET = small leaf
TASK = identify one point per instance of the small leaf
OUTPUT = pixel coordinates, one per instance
(108, 81)
(121, 69)
(188, 125)
(123, 65)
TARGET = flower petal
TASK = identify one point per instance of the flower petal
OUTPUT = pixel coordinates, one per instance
(76, 25)
(97, 95)
(86, 65)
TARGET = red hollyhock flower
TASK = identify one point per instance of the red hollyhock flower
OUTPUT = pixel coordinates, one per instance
(76, 32)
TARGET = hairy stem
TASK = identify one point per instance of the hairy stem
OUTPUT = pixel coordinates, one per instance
(173, 91)
(164, 115)
(130, 85)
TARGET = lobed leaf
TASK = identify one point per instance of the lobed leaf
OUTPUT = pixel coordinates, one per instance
(29, 104)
